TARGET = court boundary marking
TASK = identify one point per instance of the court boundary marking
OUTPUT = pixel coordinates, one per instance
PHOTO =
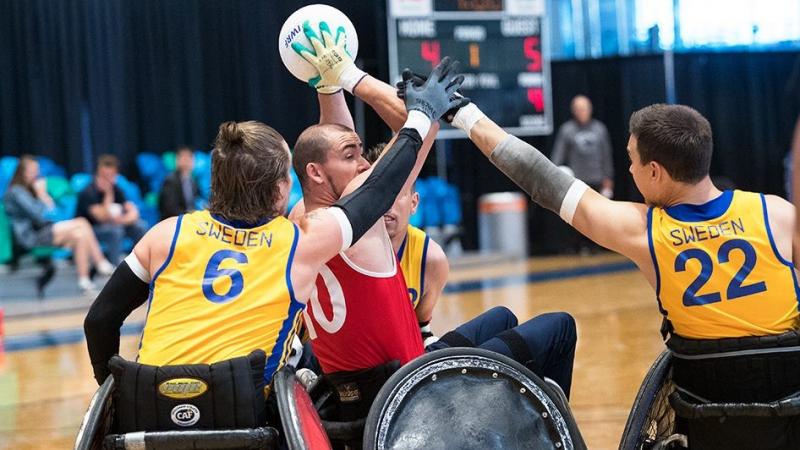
(51, 338)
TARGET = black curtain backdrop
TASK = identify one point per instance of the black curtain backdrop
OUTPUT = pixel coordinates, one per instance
(84, 77)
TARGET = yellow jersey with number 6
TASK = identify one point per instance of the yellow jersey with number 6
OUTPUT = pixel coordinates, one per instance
(718, 271)
(223, 291)
(412, 254)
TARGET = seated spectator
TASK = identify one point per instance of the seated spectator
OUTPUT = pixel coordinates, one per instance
(104, 205)
(26, 203)
(179, 191)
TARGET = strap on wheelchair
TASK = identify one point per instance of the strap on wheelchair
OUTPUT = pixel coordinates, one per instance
(748, 369)
(356, 390)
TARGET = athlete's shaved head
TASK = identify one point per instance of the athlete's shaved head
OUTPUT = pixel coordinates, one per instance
(249, 172)
(327, 156)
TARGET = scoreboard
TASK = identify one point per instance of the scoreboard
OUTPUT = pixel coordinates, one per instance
(501, 49)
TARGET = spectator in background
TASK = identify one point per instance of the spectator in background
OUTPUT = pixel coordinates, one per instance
(26, 203)
(104, 204)
(583, 144)
(179, 191)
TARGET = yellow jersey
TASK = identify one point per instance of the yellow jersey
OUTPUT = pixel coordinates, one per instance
(412, 254)
(223, 291)
(718, 270)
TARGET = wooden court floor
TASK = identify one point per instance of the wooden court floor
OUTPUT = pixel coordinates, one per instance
(44, 390)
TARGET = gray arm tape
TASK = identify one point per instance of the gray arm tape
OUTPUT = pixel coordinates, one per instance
(547, 185)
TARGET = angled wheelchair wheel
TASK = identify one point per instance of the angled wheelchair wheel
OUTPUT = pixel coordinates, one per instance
(469, 398)
(301, 423)
(652, 419)
(98, 419)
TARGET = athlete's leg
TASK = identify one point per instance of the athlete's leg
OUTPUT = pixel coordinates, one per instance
(478, 330)
(544, 344)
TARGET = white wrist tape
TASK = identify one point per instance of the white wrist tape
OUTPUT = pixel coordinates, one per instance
(418, 121)
(350, 77)
(344, 225)
(466, 117)
(137, 268)
(571, 200)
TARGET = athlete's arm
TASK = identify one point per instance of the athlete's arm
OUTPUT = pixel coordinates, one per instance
(382, 98)
(126, 290)
(781, 216)
(796, 183)
(436, 270)
(619, 226)
(333, 109)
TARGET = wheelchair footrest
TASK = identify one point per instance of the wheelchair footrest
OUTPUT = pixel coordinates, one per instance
(250, 438)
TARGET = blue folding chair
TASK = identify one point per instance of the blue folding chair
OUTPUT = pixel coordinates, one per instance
(49, 168)
(8, 165)
(80, 181)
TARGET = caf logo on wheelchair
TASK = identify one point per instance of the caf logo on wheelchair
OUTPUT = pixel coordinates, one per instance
(185, 415)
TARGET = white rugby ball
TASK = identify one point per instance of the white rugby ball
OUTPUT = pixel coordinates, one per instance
(292, 31)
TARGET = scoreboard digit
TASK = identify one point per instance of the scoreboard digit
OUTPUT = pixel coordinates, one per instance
(499, 44)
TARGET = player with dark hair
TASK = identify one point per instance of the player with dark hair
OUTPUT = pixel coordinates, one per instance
(719, 261)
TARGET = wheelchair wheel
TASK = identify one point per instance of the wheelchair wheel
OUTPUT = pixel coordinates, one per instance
(468, 398)
(651, 419)
(98, 418)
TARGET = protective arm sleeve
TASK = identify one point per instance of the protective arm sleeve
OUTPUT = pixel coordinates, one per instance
(123, 293)
(547, 185)
(364, 206)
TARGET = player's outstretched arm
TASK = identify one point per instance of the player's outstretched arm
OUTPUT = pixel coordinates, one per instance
(619, 226)
(382, 98)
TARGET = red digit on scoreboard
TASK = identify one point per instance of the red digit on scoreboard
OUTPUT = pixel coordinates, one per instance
(431, 51)
(536, 98)
(532, 52)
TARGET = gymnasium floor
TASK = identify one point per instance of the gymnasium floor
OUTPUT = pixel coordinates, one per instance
(46, 382)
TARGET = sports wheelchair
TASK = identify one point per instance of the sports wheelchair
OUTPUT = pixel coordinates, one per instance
(666, 417)
(453, 398)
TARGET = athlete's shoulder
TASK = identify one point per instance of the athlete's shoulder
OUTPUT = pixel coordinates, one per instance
(436, 264)
(781, 213)
(152, 249)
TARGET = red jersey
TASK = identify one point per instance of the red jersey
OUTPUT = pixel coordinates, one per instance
(359, 319)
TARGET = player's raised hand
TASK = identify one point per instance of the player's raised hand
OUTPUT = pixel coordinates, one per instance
(436, 95)
(418, 80)
(330, 57)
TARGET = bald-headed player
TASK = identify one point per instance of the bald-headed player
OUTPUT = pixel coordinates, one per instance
(355, 321)
(719, 261)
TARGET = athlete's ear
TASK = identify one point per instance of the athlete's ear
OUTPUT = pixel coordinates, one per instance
(414, 202)
(314, 173)
(655, 170)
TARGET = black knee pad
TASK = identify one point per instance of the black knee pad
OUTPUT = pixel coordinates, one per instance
(518, 347)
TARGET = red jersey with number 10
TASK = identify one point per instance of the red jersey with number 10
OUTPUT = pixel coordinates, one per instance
(359, 319)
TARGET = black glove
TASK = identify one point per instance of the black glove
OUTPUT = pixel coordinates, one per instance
(418, 80)
(437, 94)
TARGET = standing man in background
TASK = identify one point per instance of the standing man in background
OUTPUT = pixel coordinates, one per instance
(583, 144)
(179, 191)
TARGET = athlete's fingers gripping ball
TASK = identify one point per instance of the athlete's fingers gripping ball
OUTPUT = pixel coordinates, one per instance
(318, 45)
